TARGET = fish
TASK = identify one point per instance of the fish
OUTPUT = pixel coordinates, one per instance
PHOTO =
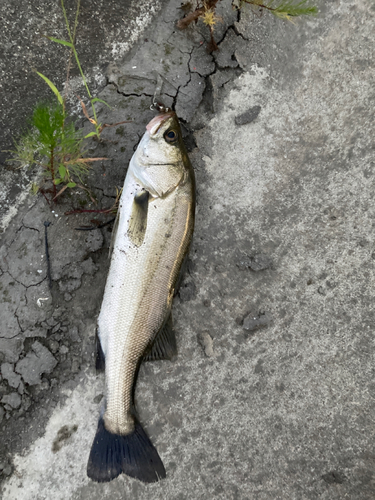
(151, 239)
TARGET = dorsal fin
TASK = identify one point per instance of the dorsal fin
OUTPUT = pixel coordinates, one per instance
(164, 345)
(138, 218)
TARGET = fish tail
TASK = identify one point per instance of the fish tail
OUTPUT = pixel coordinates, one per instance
(132, 454)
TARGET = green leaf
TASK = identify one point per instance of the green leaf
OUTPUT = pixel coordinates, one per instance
(62, 42)
(292, 8)
(90, 135)
(71, 185)
(285, 9)
(52, 87)
(57, 181)
(62, 171)
(96, 99)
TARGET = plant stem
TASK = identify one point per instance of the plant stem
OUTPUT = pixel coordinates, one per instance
(256, 4)
(71, 50)
(45, 197)
(72, 39)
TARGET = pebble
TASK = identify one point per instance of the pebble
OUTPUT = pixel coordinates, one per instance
(7, 471)
(259, 262)
(206, 342)
(248, 116)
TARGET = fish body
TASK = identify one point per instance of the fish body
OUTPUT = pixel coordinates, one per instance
(153, 232)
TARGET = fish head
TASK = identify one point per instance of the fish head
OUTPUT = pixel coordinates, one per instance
(162, 143)
(160, 161)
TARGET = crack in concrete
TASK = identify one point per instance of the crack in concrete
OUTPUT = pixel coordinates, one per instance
(14, 336)
(32, 228)
(237, 33)
(190, 73)
(14, 279)
(127, 95)
(15, 236)
(35, 284)
(182, 51)
(23, 284)
(18, 321)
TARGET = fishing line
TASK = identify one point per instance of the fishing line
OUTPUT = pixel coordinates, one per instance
(46, 224)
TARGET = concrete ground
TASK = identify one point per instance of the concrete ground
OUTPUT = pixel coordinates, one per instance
(272, 395)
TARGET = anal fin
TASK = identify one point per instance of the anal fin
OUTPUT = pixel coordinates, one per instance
(164, 345)
(100, 358)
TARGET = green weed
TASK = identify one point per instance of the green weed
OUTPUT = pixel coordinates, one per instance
(53, 144)
(52, 141)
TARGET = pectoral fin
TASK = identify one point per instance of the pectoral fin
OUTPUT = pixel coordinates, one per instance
(138, 218)
(164, 346)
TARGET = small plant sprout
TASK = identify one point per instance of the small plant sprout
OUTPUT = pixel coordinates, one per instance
(53, 144)
(210, 19)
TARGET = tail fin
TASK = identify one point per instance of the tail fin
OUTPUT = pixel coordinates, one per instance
(133, 454)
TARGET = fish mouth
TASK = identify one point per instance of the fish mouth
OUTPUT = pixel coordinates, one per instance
(157, 122)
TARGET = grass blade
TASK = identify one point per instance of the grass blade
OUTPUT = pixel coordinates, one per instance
(62, 42)
(90, 135)
(96, 99)
(52, 87)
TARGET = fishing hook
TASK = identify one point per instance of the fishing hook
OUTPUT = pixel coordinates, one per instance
(157, 104)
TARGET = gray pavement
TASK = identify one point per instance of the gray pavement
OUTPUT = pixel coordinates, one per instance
(272, 393)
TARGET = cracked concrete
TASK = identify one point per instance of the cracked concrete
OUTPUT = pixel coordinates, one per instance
(271, 395)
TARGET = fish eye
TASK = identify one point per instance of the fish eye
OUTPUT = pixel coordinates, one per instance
(170, 136)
